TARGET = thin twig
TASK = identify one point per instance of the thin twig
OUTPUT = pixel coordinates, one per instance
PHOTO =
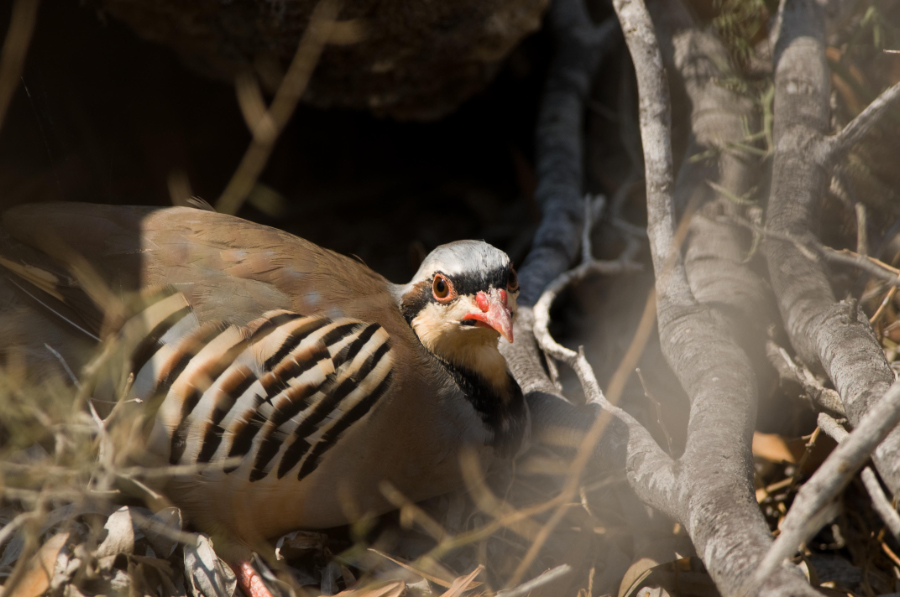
(592, 391)
(862, 240)
(844, 141)
(880, 501)
(801, 464)
(870, 265)
(810, 248)
(811, 508)
(10, 528)
(269, 125)
(882, 308)
(635, 349)
(15, 48)
(535, 583)
(64, 364)
(824, 398)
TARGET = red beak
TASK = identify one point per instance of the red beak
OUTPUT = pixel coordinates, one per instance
(495, 313)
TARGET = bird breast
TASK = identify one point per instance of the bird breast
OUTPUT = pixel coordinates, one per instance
(279, 422)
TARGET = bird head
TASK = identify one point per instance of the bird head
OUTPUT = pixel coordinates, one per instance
(462, 299)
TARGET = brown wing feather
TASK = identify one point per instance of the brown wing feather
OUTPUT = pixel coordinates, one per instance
(226, 266)
(229, 269)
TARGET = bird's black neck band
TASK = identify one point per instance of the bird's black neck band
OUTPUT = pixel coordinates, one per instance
(503, 413)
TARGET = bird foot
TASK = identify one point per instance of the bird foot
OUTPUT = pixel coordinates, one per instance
(250, 580)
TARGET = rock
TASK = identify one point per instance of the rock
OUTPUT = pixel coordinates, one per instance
(418, 60)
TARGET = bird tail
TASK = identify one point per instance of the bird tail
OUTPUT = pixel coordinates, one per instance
(56, 315)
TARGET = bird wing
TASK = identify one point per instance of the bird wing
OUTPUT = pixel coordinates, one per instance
(228, 268)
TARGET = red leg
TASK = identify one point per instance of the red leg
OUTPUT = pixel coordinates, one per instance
(250, 580)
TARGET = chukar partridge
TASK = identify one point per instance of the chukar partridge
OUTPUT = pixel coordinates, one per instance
(307, 375)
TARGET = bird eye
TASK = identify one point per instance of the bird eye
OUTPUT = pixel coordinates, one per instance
(440, 287)
(512, 282)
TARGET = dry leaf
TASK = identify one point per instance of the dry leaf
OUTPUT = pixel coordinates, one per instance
(120, 534)
(299, 541)
(685, 576)
(39, 570)
(66, 567)
(205, 573)
(161, 542)
(771, 447)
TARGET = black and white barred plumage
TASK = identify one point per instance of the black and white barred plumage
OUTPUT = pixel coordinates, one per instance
(268, 399)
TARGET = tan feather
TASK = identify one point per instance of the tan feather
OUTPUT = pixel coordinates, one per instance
(292, 372)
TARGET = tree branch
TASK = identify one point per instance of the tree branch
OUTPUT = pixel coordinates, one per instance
(812, 507)
(15, 49)
(882, 505)
(558, 140)
(580, 48)
(818, 326)
(823, 398)
(711, 494)
(840, 144)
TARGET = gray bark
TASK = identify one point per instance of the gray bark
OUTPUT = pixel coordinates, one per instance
(815, 503)
(706, 301)
(559, 144)
(827, 334)
(580, 47)
(880, 502)
(710, 491)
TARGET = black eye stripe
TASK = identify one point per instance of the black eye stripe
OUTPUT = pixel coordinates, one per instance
(422, 292)
(471, 283)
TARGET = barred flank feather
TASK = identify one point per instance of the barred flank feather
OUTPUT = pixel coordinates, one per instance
(278, 392)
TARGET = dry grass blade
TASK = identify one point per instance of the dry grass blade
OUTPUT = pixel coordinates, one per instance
(463, 583)
(396, 588)
(266, 125)
(535, 583)
(415, 570)
(7, 532)
(15, 48)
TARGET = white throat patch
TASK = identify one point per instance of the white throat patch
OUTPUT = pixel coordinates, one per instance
(469, 347)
